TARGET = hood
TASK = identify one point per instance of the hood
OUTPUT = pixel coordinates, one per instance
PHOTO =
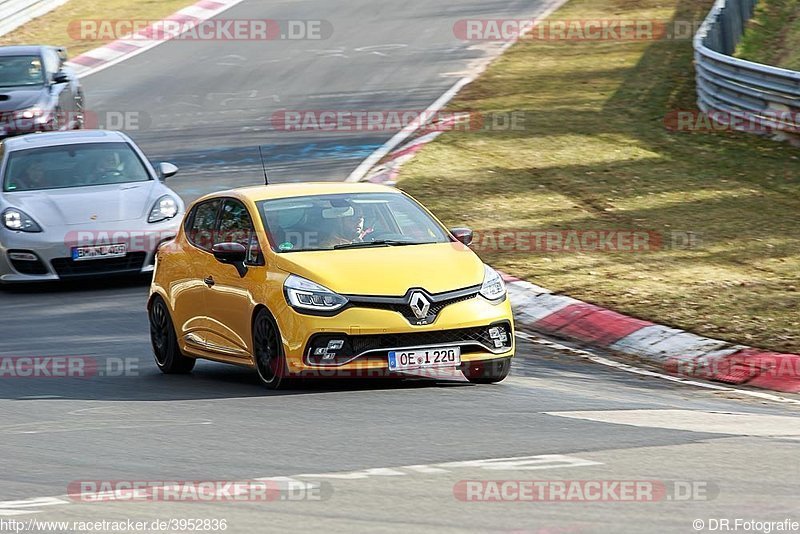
(388, 271)
(18, 98)
(86, 205)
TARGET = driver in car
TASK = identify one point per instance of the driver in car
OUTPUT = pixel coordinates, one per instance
(34, 178)
(105, 167)
(346, 229)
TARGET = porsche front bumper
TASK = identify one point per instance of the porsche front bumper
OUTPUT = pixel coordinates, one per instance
(52, 250)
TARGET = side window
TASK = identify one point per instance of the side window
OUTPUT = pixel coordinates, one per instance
(203, 224)
(236, 226)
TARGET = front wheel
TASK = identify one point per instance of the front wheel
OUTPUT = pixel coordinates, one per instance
(269, 357)
(165, 343)
(488, 372)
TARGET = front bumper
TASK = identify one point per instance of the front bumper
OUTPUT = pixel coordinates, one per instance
(28, 126)
(365, 347)
(53, 251)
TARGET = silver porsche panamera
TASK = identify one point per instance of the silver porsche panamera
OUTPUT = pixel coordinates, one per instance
(82, 203)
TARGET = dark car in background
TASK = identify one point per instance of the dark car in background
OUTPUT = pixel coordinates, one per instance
(38, 92)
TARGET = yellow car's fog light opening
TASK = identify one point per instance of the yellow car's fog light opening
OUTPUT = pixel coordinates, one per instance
(329, 352)
(329, 349)
(499, 336)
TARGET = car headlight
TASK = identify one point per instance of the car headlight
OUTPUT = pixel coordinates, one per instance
(165, 208)
(307, 295)
(493, 287)
(30, 113)
(19, 221)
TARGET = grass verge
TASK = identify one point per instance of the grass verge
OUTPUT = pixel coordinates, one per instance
(773, 34)
(53, 28)
(595, 154)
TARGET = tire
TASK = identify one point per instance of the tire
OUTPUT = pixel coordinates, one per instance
(167, 354)
(268, 355)
(488, 372)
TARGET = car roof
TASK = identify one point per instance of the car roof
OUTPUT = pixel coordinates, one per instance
(73, 137)
(25, 50)
(300, 189)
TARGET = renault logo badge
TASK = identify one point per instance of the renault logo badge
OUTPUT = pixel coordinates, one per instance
(420, 305)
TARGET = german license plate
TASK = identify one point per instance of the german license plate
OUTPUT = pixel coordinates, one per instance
(405, 360)
(99, 252)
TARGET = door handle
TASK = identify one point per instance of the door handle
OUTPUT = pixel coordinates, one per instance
(209, 281)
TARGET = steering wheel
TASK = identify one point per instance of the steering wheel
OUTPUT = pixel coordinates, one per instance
(105, 177)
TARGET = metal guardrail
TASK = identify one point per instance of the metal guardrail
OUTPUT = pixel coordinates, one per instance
(752, 96)
(15, 13)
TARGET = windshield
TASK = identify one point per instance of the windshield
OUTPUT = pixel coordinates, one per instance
(21, 71)
(328, 222)
(73, 166)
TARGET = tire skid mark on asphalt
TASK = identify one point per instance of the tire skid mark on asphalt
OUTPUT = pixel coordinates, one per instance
(97, 425)
(517, 463)
(85, 419)
(9, 508)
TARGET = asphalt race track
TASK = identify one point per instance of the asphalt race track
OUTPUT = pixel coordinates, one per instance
(207, 105)
(385, 457)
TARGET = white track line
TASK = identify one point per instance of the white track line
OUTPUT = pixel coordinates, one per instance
(361, 171)
(644, 372)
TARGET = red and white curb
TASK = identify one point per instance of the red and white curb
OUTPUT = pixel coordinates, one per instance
(675, 351)
(120, 50)
(387, 172)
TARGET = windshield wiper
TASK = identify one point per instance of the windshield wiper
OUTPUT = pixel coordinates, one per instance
(381, 243)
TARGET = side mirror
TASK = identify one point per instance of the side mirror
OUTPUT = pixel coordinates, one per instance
(231, 254)
(61, 77)
(464, 235)
(166, 170)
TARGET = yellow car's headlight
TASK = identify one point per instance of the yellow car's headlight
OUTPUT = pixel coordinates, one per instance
(308, 296)
(493, 287)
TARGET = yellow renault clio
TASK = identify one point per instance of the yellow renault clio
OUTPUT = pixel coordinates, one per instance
(327, 280)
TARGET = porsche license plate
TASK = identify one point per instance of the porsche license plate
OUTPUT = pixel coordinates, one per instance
(99, 252)
(404, 360)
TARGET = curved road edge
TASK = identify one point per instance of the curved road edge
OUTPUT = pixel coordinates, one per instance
(673, 350)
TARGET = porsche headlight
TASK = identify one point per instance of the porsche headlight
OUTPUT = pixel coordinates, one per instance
(165, 208)
(493, 287)
(19, 221)
(304, 294)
